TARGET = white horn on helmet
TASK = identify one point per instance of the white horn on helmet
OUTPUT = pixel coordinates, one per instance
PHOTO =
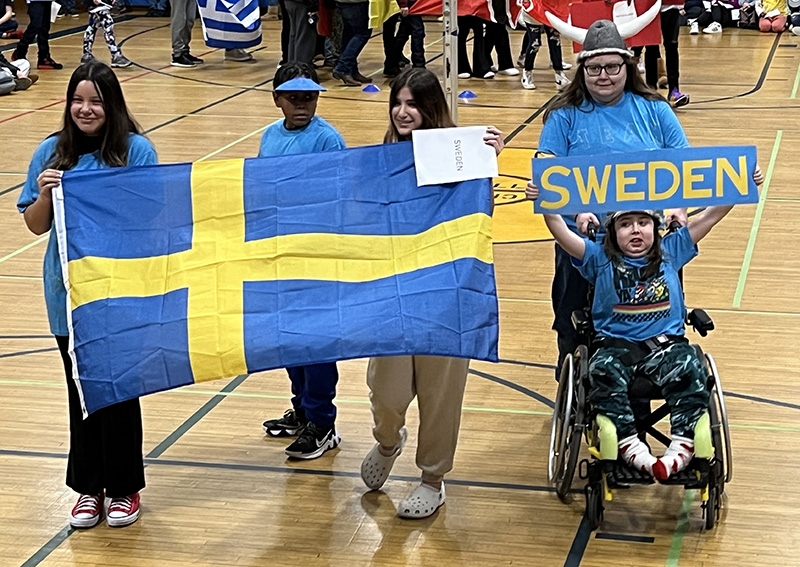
(630, 29)
(576, 34)
(626, 30)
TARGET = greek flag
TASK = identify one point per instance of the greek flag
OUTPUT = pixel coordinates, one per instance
(230, 25)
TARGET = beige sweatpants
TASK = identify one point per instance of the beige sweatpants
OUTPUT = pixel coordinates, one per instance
(438, 382)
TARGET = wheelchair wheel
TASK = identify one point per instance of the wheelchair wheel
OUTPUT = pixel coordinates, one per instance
(711, 508)
(720, 431)
(594, 505)
(565, 433)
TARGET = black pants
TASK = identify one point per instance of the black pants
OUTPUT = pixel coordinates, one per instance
(533, 42)
(285, 33)
(105, 449)
(38, 29)
(670, 27)
(717, 14)
(480, 63)
(570, 292)
(396, 36)
(497, 39)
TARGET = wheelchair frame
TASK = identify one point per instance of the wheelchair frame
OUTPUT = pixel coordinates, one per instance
(571, 421)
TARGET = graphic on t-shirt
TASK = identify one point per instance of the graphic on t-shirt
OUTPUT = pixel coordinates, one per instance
(639, 299)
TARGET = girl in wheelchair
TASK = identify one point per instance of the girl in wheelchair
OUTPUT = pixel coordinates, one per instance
(638, 314)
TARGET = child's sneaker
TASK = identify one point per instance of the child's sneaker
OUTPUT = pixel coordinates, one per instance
(86, 57)
(527, 80)
(87, 511)
(464, 75)
(713, 27)
(314, 440)
(678, 99)
(636, 453)
(16, 34)
(564, 65)
(48, 63)
(561, 81)
(521, 60)
(676, 458)
(511, 72)
(123, 511)
(287, 426)
(694, 28)
(119, 60)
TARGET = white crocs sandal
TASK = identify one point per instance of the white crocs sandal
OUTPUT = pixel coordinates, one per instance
(421, 503)
(375, 467)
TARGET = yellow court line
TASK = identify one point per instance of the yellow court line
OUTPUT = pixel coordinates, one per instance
(28, 246)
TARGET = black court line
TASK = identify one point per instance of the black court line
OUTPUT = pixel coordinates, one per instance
(579, 543)
(62, 536)
(49, 547)
(244, 467)
(24, 352)
(66, 32)
(528, 121)
(761, 78)
(762, 400)
(514, 386)
(625, 537)
(533, 364)
(195, 417)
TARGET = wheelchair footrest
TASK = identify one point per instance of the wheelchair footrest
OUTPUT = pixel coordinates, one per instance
(694, 476)
(622, 475)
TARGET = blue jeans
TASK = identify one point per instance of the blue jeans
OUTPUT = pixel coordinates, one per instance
(161, 5)
(68, 5)
(355, 35)
(313, 390)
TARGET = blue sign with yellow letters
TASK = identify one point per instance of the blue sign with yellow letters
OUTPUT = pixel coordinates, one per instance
(653, 179)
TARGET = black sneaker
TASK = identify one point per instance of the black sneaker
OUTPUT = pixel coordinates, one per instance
(287, 426)
(182, 61)
(193, 59)
(313, 442)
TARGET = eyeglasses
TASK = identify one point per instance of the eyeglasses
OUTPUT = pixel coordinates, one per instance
(612, 69)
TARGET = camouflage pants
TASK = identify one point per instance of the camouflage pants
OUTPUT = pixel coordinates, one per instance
(675, 369)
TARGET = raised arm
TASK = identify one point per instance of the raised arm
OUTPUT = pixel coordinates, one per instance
(705, 221)
(573, 244)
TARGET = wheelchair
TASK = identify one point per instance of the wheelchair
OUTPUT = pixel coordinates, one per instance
(573, 419)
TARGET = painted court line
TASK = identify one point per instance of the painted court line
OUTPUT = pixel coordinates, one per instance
(680, 529)
(751, 244)
(24, 248)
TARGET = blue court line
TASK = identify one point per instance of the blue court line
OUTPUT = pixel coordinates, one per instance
(24, 352)
(514, 386)
(763, 400)
(625, 537)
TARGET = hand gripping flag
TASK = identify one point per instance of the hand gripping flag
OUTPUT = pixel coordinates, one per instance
(230, 24)
(178, 274)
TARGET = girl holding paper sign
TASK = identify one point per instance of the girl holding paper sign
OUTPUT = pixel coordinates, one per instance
(417, 102)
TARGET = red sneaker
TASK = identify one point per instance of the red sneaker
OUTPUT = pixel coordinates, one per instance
(87, 511)
(48, 63)
(123, 511)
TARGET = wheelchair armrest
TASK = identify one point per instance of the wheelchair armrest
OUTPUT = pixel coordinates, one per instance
(582, 321)
(700, 321)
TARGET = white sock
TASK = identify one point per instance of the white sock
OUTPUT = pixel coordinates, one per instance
(636, 453)
(676, 458)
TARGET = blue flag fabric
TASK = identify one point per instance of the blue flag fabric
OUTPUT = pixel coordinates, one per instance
(230, 24)
(653, 179)
(178, 274)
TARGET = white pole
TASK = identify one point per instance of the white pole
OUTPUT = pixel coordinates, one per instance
(450, 53)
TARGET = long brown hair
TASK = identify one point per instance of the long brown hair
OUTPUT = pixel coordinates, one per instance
(576, 92)
(654, 256)
(428, 97)
(118, 125)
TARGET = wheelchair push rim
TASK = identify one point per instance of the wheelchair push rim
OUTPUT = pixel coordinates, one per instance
(720, 429)
(561, 414)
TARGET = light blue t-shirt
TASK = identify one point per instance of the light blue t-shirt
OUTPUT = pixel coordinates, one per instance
(317, 136)
(140, 152)
(628, 306)
(633, 124)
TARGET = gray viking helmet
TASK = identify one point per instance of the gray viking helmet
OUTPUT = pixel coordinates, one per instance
(603, 38)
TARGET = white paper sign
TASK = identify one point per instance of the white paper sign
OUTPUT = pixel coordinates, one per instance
(450, 155)
(54, 8)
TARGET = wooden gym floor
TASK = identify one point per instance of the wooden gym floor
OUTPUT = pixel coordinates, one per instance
(220, 493)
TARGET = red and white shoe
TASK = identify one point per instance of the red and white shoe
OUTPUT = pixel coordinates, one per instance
(636, 453)
(123, 511)
(87, 511)
(676, 458)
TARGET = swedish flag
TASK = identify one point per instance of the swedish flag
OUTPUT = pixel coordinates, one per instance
(178, 274)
